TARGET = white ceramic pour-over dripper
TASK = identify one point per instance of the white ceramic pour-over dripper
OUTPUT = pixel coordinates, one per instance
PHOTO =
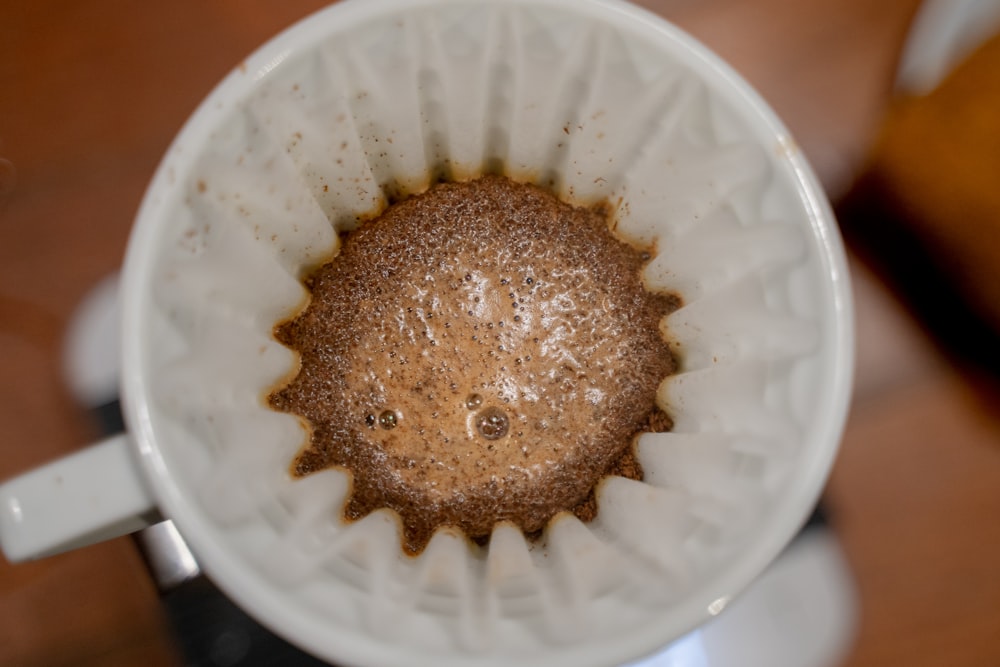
(369, 98)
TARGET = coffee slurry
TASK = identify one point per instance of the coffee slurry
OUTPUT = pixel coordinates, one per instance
(478, 353)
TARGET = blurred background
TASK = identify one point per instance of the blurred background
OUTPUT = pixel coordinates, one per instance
(897, 105)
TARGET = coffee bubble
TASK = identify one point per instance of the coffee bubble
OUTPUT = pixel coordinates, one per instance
(492, 423)
(387, 420)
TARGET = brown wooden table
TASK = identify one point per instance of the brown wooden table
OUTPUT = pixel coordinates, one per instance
(92, 92)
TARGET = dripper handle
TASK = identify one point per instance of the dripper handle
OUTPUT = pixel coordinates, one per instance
(89, 496)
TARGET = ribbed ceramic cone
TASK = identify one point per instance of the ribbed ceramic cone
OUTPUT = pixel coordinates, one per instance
(585, 99)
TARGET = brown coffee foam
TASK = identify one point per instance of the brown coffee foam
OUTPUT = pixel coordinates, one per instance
(486, 288)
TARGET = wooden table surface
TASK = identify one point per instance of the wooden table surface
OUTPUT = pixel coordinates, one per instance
(91, 94)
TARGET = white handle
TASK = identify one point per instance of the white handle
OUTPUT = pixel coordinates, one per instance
(86, 497)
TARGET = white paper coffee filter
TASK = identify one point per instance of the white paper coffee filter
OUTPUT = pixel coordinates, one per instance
(368, 101)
